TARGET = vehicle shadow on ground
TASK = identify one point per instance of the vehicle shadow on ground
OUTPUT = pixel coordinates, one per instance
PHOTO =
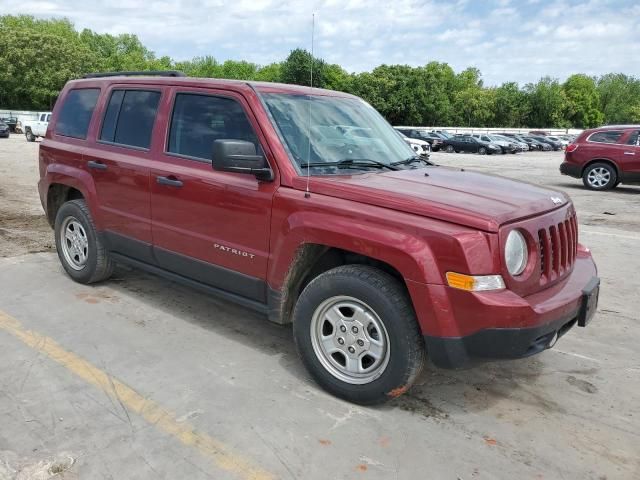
(441, 394)
(232, 321)
(437, 393)
(620, 189)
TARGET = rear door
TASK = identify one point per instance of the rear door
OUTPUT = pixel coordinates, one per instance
(211, 226)
(119, 163)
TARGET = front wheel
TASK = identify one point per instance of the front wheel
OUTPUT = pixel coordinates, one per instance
(450, 149)
(30, 136)
(482, 151)
(357, 334)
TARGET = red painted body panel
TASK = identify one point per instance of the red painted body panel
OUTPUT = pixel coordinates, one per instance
(421, 225)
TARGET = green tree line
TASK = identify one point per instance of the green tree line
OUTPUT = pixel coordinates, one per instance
(37, 57)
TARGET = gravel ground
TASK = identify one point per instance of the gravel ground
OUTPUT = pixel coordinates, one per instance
(23, 227)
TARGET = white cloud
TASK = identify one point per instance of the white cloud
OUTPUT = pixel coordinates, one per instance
(508, 40)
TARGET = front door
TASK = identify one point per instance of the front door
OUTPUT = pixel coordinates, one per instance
(207, 225)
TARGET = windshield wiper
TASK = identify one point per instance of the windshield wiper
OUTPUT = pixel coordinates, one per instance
(351, 163)
(415, 158)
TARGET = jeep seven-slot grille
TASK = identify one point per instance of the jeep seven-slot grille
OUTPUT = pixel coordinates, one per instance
(558, 246)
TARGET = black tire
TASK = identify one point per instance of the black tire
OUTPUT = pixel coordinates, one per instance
(98, 265)
(606, 170)
(482, 151)
(450, 149)
(388, 300)
(29, 135)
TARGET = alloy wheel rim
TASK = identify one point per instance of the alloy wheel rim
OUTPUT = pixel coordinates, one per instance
(599, 177)
(350, 340)
(74, 243)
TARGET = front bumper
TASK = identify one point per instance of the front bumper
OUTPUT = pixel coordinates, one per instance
(503, 325)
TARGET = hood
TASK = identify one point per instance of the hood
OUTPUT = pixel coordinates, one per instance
(466, 198)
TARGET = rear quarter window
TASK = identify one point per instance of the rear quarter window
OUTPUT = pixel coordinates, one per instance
(76, 112)
(605, 137)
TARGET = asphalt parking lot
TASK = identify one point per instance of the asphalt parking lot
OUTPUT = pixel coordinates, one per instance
(140, 378)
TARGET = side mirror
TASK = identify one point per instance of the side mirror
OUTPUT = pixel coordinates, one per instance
(240, 157)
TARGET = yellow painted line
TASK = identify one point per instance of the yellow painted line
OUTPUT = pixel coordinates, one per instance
(161, 418)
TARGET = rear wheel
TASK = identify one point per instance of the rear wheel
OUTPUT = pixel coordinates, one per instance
(80, 250)
(357, 334)
(29, 135)
(450, 149)
(600, 176)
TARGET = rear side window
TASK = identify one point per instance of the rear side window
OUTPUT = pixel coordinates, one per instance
(130, 117)
(76, 112)
(606, 137)
(199, 120)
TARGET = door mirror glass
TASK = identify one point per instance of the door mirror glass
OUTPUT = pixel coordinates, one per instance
(239, 156)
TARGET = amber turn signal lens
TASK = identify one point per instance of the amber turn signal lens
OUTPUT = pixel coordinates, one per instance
(475, 283)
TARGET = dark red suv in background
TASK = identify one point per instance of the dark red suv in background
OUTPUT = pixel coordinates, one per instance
(604, 157)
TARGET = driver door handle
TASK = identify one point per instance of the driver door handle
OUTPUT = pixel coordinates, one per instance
(629, 153)
(96, 165)
(170, 181)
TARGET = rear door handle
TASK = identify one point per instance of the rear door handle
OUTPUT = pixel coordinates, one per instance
(171, 181)
(629, 153)
(96, 165)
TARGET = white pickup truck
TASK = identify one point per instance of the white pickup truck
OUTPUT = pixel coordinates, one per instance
(36, 128)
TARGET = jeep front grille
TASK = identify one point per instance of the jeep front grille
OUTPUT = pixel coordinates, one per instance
(558, 246)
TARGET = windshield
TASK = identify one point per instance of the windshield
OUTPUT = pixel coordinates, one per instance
(326, 130)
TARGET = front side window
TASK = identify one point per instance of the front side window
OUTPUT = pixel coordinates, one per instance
(611, 136)
(76, 112)
(130, 117)
(320, 129)
(199, 120)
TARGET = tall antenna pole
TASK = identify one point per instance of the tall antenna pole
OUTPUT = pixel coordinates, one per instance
(307, 194)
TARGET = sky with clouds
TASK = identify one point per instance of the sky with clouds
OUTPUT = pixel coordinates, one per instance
(508, 40)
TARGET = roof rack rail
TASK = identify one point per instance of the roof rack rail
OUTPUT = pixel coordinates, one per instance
(149, 73)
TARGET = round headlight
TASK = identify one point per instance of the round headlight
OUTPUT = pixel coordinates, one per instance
(515, 253)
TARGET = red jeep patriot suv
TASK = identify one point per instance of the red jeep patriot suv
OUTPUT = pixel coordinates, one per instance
(258, 193)
(604, 157)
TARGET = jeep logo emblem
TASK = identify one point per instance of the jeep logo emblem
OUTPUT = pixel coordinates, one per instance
(556, 200)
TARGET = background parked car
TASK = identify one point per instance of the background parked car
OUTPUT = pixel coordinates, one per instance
(467, 143)
(506, 145)
(604, 157)
(421, 147)
(560, 140)
(519, 144)
(543, 146)
(521, 139)
(540, 133)
(433, 139)
(554, 144)
(4, 130)
(10, 122)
